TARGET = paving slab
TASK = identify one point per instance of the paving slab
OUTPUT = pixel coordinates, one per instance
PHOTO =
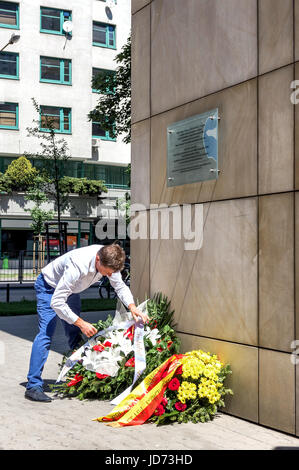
(67, 423)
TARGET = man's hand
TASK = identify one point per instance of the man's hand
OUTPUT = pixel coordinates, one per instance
(86, 328)
(136, 313)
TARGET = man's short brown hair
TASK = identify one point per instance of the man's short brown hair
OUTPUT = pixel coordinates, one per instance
(112, 256)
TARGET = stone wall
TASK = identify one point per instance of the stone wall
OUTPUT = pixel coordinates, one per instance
(236, 296)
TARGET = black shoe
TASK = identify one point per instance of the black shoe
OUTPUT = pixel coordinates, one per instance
(36, 394)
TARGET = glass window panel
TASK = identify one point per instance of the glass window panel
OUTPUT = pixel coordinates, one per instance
(7, 118)
(51, 24)
(97, 131)
(111, 36)
(47, 121)
(66, 120)
(50, 61)
(51, 12)
(99, 34)
(8, 13)
(50, 69)
(7, 107)
(8, 64)
(66, 70)
(50, 116)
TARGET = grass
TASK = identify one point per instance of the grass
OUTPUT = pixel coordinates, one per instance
(28, 307)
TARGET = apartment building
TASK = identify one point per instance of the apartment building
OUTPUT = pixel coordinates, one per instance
(62, 44)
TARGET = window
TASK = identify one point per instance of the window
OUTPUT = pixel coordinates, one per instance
(9, 115)
(99, 133)
(9, 15)
(51, 20)
(55, 70)
(104, 35)
(9, 65)
(57, 118)
(106, 73)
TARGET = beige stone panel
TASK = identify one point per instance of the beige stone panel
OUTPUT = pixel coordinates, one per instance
(297, 262)
(295, 98)
(237, 149)
(276, 271)
(140, 163)
(141, 65)
(297, 397)
(275, 34)
(171, 265)
(296, 3)
(138, 4)
(214, 289)
(276, 128)
(277, 390)
(205, 47)
(139, 263)
(243, 381)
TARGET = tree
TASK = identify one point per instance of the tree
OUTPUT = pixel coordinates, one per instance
(54, 153)
(113, 111)
(38, 215)
(20, 174)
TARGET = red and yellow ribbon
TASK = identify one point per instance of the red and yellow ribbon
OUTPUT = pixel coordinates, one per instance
(140, 404)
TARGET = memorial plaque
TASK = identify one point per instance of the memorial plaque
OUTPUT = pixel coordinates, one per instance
(192, 149)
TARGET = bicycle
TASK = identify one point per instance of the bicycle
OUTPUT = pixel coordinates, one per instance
(106, 291)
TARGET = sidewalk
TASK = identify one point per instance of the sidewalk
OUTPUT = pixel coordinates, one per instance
(67, 423)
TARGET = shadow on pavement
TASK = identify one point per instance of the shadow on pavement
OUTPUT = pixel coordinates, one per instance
(26, 327)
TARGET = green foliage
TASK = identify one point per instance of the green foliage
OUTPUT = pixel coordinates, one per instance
(20, 175)
(110, 387)
(159, 311)
(128, 173)
(53, 153)
(6, 184)
(113, 110)
(123, 205)
(81, 186)
(199, 410)
(38, 215)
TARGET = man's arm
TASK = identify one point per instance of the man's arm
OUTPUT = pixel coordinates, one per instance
(59, 298)
(125, 295)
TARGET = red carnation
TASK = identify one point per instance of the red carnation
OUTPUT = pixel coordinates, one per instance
(174, 384)
(169, 343)
(130, 362)
(180, 406)
(164, 401)
(98, 347)
(107, 344)
(75, 380)
(101, 376)
(153, 326)
(179, 370)
(159, 410)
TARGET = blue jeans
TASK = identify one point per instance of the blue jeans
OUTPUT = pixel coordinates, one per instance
(47, 319)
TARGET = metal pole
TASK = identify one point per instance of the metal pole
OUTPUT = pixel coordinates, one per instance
(48, 242)
(7, 292)
(21, 266)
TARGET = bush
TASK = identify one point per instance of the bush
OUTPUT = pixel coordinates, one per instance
(82, 186)
(20, 174)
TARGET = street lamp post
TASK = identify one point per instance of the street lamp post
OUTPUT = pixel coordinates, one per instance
(14, 38)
